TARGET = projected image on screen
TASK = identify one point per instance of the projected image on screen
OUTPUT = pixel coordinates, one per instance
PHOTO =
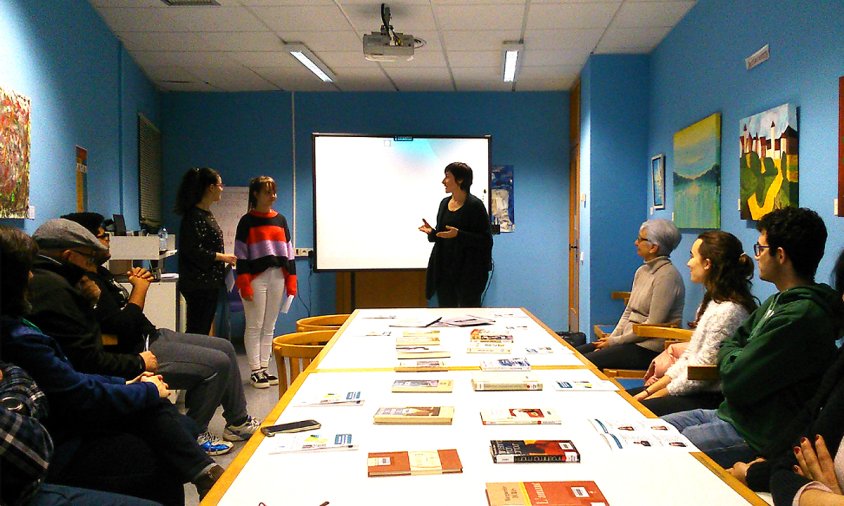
(371, 194)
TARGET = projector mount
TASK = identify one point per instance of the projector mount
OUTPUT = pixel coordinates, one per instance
(396, 39)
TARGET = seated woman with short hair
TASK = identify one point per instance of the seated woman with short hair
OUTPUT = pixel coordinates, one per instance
(720, 264)
(657, 297)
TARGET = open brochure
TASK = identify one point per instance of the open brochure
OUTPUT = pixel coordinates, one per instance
(642, 434)
(286, 443)
(570, 385)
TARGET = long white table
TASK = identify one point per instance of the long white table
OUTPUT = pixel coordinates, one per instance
(354, 360)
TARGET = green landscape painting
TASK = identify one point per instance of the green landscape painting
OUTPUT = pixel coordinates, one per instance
(697, 174)
(768, 164)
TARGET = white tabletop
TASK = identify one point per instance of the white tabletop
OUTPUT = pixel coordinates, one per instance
(656, 476)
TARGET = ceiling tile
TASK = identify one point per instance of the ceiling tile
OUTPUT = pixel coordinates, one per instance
(549, 57)
(557, 16)
(303, 18)
(241, 41)
(298, 79)
(571, 38)
(476, 84)
(427, 79)
(361, 79)
(216, 19)
(479, 17)
(347, 59)
(474, 58)
(421, 58)
(326, 41)
(481, 40)
(404, 17)
(556, 84)
(121, 19)
(548, 72)
(184, 59)
(168, 72)
(264, 59)
(193, 87)
(644, 14)
(645, 38)
(158, 41)
(225, 80)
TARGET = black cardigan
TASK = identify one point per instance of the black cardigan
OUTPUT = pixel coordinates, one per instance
(471, 255)
(200, 239)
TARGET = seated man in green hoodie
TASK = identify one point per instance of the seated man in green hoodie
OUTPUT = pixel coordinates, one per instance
(774, 362)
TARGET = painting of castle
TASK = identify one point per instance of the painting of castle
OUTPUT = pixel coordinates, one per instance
(697, 174)
(768, 168)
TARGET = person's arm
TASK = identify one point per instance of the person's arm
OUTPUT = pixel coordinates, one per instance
(478, 234)
(291, 285)
(25, 451)
(140, 280)
(243, 281)
(623, 331)
(84, 397)
(783, 352)
(63, 314)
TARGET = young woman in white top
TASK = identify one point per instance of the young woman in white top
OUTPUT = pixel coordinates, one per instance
(719, 263)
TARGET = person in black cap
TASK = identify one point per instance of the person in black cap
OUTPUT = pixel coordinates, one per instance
(74, 302)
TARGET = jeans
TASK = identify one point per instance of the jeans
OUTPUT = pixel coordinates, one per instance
(712, 436)
(620, 356)
(201, 307)
(59, 495)
(206, 367)
(261, 314)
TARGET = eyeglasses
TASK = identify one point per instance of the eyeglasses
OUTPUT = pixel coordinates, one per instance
(90, 258)
(104, 236)
(641, 239)
(219, 185)
(758, 248)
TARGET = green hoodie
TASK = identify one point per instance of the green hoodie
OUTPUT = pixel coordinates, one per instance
(774, 362)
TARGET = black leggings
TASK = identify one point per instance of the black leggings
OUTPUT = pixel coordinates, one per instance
(201, 307)
(668, 404)
(620, 356)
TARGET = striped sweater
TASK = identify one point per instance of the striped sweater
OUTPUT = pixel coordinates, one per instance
(262, 242)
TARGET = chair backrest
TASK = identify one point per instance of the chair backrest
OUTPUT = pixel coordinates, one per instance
(321, 322)
(294, 352)
(669, 331)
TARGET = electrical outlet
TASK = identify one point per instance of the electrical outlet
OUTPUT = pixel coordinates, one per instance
(303, 252)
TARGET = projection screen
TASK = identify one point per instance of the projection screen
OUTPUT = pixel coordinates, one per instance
(372, 192)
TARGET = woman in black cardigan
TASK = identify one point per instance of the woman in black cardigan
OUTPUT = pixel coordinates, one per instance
(460, 261)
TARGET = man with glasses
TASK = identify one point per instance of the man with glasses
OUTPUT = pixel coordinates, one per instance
(773, 363)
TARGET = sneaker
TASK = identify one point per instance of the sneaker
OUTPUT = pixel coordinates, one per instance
(243, 431)
(272, 380)
(259, 380)
(213, 445)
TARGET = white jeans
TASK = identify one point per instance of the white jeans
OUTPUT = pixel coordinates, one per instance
(261, 314)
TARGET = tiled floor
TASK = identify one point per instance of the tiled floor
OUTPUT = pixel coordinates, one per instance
(259, 402)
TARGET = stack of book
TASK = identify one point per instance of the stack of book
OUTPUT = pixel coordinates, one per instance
(500, 381)
(423, 386)
(546, 493)
(420, 344)
(533, 450)
(413, 463)
(427, 415)
(506, 364)
(519, 416)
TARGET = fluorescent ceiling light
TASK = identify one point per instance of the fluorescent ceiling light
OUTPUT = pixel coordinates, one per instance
(309, 60)
(511, 53)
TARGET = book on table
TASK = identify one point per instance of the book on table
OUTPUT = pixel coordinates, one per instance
(414, 352)
(539, 350)
(478, 347)
(533, 450)
(506, 364)
(504, 381)
(519, 416)
(351, 398)
(421, 366)
(545, 493)
(413, 415)
(645, 434)
(417, 322)
(490, 336)
(570, 385)
(413, 463)
(423, 385)
(416, 338)
(286, 443)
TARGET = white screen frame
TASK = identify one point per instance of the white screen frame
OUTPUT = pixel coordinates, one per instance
(371, 193)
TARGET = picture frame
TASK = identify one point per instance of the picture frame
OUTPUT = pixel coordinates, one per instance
(658, 181)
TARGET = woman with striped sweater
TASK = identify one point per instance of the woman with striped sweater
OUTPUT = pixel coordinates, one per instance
(266, 268)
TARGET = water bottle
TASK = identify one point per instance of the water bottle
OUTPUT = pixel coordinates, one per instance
(162, 239)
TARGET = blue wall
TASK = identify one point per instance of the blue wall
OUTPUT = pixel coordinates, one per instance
(249, 133)
(613, 167)
(699, 69)
(85, 90)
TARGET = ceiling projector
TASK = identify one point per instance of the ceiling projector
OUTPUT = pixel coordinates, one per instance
(382, 47)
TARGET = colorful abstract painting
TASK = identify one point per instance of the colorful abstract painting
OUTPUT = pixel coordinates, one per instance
(14, 154)
(697, 174)
(768, 169)
(503, 208)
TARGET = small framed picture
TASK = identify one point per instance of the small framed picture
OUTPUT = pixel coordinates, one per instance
(658, 181)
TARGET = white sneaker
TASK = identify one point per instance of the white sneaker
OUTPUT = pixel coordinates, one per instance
(213, 445)
(243, 431)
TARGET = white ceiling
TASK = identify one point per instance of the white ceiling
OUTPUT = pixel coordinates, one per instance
(237, 46)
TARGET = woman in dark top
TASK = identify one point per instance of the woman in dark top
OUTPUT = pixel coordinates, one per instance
(462, 255)
(202, 260)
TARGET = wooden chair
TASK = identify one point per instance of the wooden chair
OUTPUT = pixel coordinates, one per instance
(704, 372)
(321, 322)
(669, 332)
(295, 351)
(602, 329)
